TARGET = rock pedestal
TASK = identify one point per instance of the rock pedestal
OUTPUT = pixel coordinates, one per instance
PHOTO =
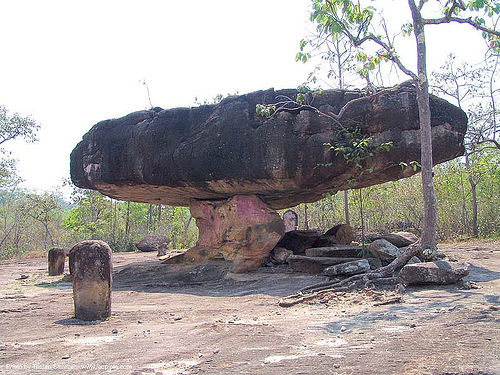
(242, 230)
(56, 258)
(91, 270)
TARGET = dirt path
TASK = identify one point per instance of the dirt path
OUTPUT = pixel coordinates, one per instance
(235, 326)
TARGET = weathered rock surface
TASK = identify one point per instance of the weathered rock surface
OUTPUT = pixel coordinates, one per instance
(279, 255)
(314, 265)
(299, 240)
(218, 151)
(153, 242)
(384, 250)
(242, 230)
(291, 220)
(343, 234)
(399, 239)
(92, 276)
(335, 251)
(352, 268)
(56, 259)
(438, 272)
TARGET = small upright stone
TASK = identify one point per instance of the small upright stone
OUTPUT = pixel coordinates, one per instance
(56, 258)
(91, 270)
(291, 220)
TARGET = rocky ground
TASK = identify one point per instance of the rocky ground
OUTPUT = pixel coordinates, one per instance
(235, 326)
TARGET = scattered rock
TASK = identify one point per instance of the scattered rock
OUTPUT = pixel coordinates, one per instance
(439, 255)
(325, 241)
(413, 325)
(343, 329)
(314, 265)
(438, 272)
(351, 268)
(67, 356)
(335, 251)
(342, 232)
(279, 255)
(153, 242)
(414, 260)
(177, 318)
(22, 277)
(114, 331)
(299, 240)
(398, 239)
(384, 250)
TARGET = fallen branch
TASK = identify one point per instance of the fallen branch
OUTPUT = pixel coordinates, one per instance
(353, 282)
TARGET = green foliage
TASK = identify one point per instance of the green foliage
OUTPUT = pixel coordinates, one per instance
(355, 148)
(397, 205)
(13, 126)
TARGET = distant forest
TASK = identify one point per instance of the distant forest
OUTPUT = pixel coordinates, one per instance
(33, 223)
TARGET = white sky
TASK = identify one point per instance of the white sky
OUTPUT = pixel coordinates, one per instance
(71, 64)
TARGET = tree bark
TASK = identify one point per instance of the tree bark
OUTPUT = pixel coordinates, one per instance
(346, 208)
(306, 218)
(127, 222)
(150, 218)
(362, 216)
(429, 230)
(159, 219)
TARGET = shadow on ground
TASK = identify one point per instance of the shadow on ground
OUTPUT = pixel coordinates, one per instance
(210, 279)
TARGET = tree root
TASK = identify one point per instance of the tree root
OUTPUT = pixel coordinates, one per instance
(378, 276)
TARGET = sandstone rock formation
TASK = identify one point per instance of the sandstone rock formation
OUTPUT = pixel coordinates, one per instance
(91, 270)
(242, 229)
(438, 272)
(218, 151)
(209, 154)
(56, 259)
(153, 242)
(291, 220)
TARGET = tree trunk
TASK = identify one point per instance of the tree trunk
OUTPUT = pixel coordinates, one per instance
(346, 208)
(159, 219)
(362, 218)
(429, 230)
(150, 218)
(127, 222)
(306, 218)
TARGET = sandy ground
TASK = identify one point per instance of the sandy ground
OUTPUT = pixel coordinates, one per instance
(234, 326)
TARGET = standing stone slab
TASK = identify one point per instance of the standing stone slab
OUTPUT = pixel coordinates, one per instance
(91, 269)
(56, 258)
(291, 220)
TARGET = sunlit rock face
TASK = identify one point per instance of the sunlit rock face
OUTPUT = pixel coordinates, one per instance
(213, 156)
(217, 151)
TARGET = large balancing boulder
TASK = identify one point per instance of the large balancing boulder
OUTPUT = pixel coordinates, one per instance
(91, 272)
(212, 153)
(217, 151)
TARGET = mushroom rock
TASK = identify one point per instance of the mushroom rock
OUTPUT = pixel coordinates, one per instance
(205, 156)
